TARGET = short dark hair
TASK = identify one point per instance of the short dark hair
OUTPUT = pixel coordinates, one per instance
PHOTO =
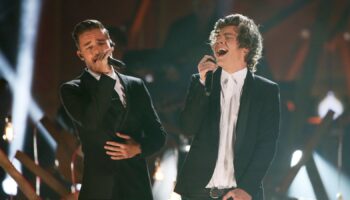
(87, 25)
(248, 36)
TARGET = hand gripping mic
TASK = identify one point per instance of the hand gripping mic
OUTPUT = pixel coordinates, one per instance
(209, 80)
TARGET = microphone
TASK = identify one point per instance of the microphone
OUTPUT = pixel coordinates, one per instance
(209, 80)
(116, 62)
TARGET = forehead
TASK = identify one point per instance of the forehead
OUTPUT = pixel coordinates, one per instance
(227, 30)
(93, 34)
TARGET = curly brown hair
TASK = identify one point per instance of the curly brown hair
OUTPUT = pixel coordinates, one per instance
(248, 36)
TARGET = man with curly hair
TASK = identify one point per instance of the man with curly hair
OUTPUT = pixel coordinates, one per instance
(236, 125)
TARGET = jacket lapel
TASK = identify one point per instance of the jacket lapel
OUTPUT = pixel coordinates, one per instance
(243, 111)
(215, 107)
(125, 83)
(89, 82)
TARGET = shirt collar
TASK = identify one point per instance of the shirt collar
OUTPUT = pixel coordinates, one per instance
(97, 76)
(238, 76)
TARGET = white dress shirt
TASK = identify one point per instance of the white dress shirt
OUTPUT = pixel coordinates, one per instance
(118, 87)
(231, 88)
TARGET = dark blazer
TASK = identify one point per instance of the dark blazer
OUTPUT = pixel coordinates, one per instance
(98, 114)
(256, 134)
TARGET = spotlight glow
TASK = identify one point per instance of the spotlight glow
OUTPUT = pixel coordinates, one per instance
(159, 175)
(301, 187)
(297, 155)
(10, 186)
(163, 188)
(8, 133)
(30, 10)
(330, 102)
(336, 182)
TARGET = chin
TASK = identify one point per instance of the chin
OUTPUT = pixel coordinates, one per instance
(220, 62)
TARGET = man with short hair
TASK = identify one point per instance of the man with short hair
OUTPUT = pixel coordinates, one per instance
(117, 123)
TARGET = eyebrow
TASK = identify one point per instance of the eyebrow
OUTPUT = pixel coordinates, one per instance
(89, 42)
(228, 34)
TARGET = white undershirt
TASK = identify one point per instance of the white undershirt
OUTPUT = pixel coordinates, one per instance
(118, 87)
(231, 88)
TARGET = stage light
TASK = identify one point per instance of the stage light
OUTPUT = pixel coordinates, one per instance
(330, 102)
(184, 145)
(301, 187)
(158, 174)
(297, 155)
(346, 36)
(8, 132)
(149, 78)
(9, 186)
(164, 186)
(29, 20)
(335, 181)
(175, 196)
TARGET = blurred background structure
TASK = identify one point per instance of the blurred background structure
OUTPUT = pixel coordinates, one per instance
(306, 50)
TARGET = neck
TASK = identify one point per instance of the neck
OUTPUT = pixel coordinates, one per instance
(234, 68)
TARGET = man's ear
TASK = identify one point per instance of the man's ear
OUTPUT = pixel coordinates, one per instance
(111, 43)
(80, 55)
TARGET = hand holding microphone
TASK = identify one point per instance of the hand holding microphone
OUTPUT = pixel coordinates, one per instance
(206, 67)
(104, 62)
(100, 62)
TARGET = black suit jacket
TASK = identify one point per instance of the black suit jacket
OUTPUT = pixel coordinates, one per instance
(98, 114)
(256, 134)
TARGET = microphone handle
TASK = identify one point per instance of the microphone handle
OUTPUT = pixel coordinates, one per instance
(208, 82)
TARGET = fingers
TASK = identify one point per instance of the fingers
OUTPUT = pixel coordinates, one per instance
(237, 194)
(116, 150)
(228, 196)
(206, 57)
(123, 136)
(105, 54)
(207, 63)
(101, 61)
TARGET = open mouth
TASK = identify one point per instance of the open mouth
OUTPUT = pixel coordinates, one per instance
(95, 59)
(221, 52)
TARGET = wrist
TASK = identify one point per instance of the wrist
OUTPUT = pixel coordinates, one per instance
(202, 81)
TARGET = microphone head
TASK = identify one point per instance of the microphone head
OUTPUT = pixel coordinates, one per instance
(116, 62)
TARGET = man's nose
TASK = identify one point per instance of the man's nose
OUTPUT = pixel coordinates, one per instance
(97, 51)
(219, 41)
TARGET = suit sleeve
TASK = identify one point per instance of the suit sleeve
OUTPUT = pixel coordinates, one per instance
(154, 134)
(266, 143)
(196, 101)
(87, 111)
